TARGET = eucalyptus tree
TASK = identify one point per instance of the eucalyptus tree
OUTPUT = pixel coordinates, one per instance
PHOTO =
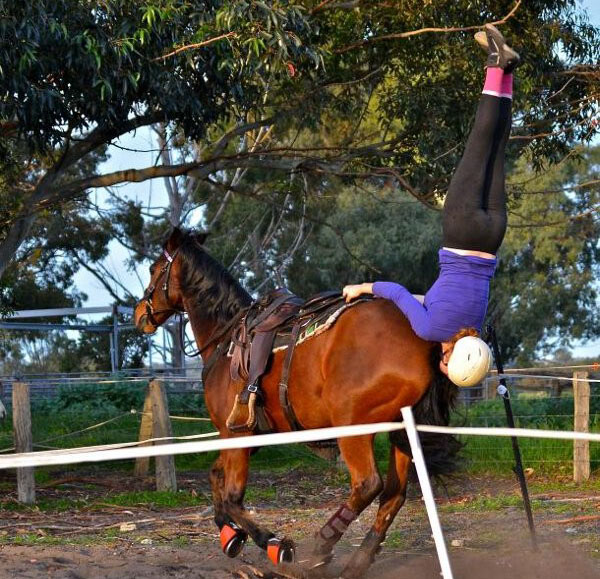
(74, 76)
(267, 111)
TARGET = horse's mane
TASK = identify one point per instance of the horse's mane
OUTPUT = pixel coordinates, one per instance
(207, 284)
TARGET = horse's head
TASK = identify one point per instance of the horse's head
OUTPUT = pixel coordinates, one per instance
(163, 296)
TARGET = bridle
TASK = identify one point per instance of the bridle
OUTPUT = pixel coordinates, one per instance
(165, 273)
(216, 336)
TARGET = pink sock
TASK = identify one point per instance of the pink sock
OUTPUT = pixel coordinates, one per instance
(493, 82)
(507, 86)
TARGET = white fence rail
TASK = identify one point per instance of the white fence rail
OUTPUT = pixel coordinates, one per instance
(108, 452)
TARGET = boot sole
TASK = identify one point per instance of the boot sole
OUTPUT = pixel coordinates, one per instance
(511, 56)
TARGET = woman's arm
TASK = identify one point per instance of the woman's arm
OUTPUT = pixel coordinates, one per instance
(410, 306)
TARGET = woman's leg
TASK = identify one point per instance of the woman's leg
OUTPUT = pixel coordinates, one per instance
(495, 201)
(474, 214)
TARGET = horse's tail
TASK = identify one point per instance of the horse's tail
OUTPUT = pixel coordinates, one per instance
(440, 450)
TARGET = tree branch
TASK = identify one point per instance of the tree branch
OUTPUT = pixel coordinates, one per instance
(425, 31)
(101, 279)
(193, 46)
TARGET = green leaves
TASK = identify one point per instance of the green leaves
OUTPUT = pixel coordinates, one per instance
(544, 294)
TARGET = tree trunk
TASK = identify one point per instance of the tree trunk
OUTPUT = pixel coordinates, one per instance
(17, 233)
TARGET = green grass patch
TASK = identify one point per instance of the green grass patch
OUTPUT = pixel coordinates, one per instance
(256, 495)
(34, 539)
(505, 501)
(483, 504)
(164, 499)
(545, 456)
(46, 505)
(564, 485)
(154, 499)
(397, 540)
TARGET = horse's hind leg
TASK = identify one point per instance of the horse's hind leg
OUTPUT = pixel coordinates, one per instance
(358, 454)
(235, 464)
(390, 501)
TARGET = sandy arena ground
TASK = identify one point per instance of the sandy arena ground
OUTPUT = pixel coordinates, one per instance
(492, 543)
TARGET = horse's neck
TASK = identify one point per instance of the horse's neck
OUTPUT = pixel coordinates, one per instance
(205, 329)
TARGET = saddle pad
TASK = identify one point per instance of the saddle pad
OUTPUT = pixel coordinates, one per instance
(315, 326)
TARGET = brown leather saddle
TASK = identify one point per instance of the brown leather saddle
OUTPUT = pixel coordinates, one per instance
(277, 318)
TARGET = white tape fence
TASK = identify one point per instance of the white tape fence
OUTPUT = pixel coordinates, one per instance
(109, 452)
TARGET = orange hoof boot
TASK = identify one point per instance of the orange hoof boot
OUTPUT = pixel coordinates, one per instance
(281, 551)
(232, 539)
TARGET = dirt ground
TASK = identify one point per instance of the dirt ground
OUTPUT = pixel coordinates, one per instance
(484, 526)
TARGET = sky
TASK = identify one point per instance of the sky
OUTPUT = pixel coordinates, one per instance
(150, 192)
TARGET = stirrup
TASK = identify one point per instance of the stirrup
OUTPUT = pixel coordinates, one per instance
(236, 411)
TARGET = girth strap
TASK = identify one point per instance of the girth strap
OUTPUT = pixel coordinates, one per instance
(283, 383)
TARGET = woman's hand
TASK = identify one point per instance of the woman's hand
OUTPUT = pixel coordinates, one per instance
(351, 292)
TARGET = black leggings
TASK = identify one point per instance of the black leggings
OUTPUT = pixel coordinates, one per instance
(474, 215)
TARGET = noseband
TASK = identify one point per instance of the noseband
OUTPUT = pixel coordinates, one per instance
(165, 273)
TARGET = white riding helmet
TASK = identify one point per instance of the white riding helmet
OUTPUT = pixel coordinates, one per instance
(469, 362)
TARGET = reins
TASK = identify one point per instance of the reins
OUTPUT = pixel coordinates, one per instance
(212, 338)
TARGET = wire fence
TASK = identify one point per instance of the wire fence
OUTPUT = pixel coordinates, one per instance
(91, 409)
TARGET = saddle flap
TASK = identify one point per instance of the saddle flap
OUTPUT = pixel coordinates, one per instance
(253, 338)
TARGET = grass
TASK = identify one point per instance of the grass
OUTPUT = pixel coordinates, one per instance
(149, 499)
(157, 499)
(484, 504)
(34, 539)
(258, 495)
(545, 456)
(397, 540)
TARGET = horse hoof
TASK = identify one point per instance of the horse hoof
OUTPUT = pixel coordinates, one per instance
(232, 540)
(281, 551)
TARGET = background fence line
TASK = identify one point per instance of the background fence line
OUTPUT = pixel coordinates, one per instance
(73, 456)
(154, 422)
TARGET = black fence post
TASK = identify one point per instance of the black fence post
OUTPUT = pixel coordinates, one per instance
(504, 393)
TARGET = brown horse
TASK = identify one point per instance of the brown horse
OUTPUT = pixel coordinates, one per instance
(363, 370)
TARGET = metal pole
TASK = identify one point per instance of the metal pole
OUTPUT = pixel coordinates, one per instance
(182, 342)
(428, 498)
(149, 341)
(115, 338)
(111, 339)
(504, 393)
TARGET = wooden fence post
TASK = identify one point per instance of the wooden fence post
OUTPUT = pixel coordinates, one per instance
(581, 448)
(23, 440)
(161, 428)
(142, 463)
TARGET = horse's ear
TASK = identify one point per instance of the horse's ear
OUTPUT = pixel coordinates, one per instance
(175, 238)
(201, 237)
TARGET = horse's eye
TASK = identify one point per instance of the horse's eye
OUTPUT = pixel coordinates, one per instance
(152, 269)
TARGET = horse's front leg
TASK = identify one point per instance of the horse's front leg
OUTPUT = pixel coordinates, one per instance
(233, 538)
(358, 454)
(235, 519)
(390, 501)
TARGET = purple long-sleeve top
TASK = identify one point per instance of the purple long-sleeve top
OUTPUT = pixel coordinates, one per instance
(458, 298)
